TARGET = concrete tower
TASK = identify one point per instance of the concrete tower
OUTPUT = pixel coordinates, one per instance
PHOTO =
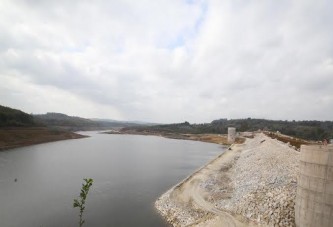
(231, 134)
(314, 198)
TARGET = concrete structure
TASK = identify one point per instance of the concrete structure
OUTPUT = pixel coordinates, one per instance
(314, 199)
(231, 134)
(331, 141)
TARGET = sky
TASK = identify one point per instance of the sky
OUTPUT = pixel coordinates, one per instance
(168, 60)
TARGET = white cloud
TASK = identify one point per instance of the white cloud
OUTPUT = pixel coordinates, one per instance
(168, 61)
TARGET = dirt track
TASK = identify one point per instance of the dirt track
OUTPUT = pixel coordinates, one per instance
(190, 192)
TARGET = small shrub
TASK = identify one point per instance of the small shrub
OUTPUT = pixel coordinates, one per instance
(80, 202)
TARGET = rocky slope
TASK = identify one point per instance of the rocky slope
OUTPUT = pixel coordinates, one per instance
(251, 184)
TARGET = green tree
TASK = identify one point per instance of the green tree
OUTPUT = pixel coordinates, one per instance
(80, 202)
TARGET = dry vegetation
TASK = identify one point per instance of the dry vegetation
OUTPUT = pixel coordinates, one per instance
(296, 142)
(214, 138)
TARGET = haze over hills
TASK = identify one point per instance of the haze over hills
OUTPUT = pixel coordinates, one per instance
(73, 123)
(10, 117)
(124, 122)
(314, 130)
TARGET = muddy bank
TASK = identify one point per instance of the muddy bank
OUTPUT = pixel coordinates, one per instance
(24, 136)
(252, 184)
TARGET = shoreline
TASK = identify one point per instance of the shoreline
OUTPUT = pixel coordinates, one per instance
(16, 137)
(165, 198)
(206, 137)
(231, 190)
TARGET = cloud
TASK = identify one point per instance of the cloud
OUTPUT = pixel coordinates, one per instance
(168, 61)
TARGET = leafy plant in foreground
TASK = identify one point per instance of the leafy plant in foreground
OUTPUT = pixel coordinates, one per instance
(80, 202)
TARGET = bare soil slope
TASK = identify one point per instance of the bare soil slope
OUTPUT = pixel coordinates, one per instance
(23, 136)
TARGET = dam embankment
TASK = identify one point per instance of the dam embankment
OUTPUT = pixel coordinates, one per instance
(252, 184)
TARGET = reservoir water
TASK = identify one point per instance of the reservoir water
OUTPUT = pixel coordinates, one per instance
(38, 183)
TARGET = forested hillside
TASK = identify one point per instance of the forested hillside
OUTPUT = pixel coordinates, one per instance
(12, 117)
(18, 129)
(63, 120)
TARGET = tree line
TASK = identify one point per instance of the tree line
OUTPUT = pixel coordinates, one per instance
(310, 130)
(12, 117)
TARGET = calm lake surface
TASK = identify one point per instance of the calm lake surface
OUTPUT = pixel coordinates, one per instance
(130, 172)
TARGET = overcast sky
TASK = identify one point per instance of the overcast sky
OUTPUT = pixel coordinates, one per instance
(168, 60)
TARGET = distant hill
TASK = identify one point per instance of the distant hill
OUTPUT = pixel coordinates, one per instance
(72, 123)
(125, 122)
(63, 120)
(18, 129)
(10, 117)
(311, 130)
(14, 118)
